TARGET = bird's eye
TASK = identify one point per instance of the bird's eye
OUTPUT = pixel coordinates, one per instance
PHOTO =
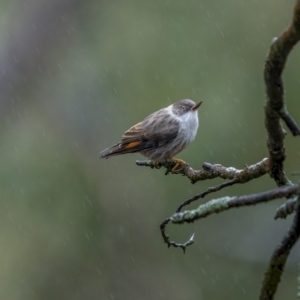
(183, 107)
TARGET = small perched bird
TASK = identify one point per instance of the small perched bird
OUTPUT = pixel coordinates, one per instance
(162, 134)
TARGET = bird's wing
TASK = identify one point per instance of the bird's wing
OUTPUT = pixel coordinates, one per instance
(148, 134)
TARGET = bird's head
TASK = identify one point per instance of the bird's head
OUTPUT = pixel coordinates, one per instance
(185, 106)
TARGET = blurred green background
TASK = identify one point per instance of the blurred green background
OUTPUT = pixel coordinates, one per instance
(74, 76)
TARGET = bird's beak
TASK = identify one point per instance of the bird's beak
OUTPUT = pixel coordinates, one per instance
(195, 107)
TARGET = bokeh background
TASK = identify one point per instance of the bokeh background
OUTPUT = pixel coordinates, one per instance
(74, 76)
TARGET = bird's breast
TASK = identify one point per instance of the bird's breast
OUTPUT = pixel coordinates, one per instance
(189, 126)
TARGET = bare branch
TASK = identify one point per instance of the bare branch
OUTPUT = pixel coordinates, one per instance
(287, 208)
(275, 107)
(211, 171)
(172, 243)
(277, 263)
(208, 191)
(225, 203)
(274, 110)
(222, 204)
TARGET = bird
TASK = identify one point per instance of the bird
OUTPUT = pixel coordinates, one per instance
(161, 135)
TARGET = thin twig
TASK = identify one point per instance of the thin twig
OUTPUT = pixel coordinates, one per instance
(208, 191)
(172, 243)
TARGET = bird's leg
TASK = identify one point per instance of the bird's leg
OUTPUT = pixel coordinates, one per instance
(156, 165)
(178, 162)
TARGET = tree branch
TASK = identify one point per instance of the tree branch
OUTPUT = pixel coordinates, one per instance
(211, 171)
(274, 110)
(287, 208)
(222, 204)
(277, 263)
(225, 203)
(208, 191)
(172, 243)
(275, 107)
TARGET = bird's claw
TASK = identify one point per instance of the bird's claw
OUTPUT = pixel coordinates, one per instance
(178, 163)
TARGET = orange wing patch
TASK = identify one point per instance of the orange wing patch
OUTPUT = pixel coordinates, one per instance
(132, 145)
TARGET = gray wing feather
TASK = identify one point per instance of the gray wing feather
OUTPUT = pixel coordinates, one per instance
(155, 131)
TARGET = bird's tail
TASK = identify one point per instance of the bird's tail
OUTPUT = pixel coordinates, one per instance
(106, 153)
(121, 148)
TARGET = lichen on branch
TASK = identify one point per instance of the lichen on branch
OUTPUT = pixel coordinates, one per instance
(211, 171)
